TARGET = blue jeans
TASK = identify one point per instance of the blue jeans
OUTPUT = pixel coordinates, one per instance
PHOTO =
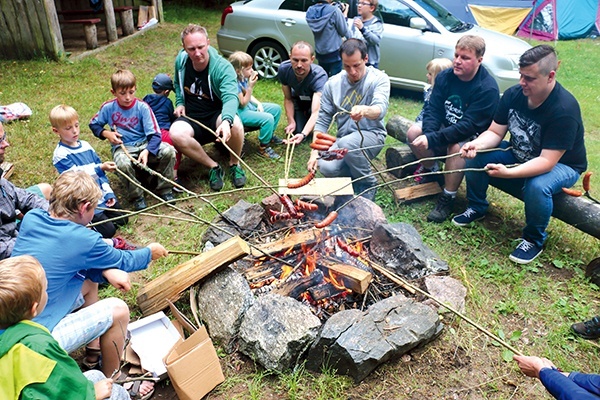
(266, 121)
(537, 190)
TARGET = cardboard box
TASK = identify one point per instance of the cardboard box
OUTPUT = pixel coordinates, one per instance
(192, 364)
(152, 338)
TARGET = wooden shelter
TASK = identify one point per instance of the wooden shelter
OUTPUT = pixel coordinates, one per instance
(34, 28)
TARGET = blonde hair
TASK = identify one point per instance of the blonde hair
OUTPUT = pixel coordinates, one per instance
(436, 66)
(71, 189)
(193, 28)
(473, 43)
(21, 285)
(122, 79)
(240, 60)
(61, 115)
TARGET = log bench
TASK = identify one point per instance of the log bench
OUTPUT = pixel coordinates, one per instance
(578, 212)
(89, 30)
(125, 13)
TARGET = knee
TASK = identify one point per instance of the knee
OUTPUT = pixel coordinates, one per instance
(46, 190)
(167, 150)
(535, 187)
(120, 312)
(122, 161)
(179, 131)
(413, 132)
(237, 129)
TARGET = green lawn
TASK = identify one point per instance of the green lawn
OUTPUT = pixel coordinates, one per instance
(539, 301)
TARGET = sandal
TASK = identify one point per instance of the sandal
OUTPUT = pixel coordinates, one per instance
(134, 390)
(92, 359)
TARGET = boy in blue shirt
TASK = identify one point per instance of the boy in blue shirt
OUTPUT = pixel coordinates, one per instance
(73, 154)
(137, 129)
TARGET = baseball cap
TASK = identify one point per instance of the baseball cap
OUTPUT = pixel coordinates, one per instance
(162, 82)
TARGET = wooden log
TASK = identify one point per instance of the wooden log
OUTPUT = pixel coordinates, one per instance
(153, 296)
(399, 156)
(578, 212)
(142, 16)
(127, 21)
(324, 291)
(91, 36)
(296, 287)
(415, 192)
(308, 236)
(397, 126)
(353, 278)
(111, 21)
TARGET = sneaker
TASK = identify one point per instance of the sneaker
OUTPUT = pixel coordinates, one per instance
(167, 196)
(276, 141)
(139, 203)
(267, 152)
(175, 188)
(420, 169)
(525, 252)
(238, 176)
(122, 244)
(215, 178)
(587, 329)
(467, 217)
(442, 209)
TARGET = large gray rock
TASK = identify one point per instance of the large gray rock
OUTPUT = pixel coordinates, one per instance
(402, 250)
(222, 300)
(447, 290)
(246, 216)
(359, 216)
(354, 343)
(277, 331)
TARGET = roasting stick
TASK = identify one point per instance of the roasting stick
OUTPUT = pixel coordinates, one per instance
(397, 279)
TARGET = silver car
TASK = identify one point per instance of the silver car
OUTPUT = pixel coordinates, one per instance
(415, 31)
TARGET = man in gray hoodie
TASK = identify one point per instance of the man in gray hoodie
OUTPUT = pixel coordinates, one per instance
(327, 21)
(358, 98)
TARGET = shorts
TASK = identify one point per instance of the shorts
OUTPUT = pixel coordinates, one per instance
(35, 189)
(202, 136)
(79, 328)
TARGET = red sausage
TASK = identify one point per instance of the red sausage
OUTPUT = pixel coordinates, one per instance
(303, 205)
(344, 246)
(316, 146)
(328, 220)
(572, 192)
(289, 205)
(586, 181)
(324, 136)
(302, 182)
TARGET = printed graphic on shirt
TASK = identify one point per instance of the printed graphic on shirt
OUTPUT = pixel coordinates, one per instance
(351, 99)
(122, 121)
(454, 109)
(196, 88)
(525, 136)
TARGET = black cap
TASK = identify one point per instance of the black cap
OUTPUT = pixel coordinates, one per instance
(162, 82)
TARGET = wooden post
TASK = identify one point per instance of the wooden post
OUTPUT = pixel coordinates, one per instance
(153, 296)
(111, 22)
(127, 22)
(91, 36)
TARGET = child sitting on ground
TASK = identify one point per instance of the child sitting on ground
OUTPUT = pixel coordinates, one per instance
(73, 154)
(136, 129)
(252, 112)
(76, 260)
(33, 364)
(164, 111)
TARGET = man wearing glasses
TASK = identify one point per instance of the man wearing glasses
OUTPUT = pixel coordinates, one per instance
(368, 28)
(14, 201)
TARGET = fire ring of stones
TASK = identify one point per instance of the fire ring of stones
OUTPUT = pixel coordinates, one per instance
(280, 332)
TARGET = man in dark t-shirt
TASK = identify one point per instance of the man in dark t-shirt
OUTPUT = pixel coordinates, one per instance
(206, 91)
(302, 83)
(546, 135)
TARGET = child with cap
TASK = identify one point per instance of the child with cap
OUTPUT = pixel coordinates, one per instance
(163, 110)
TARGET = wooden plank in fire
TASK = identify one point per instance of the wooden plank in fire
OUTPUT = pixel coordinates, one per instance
(292, 240)
(353, 278)
(319, 187)
(153, 296)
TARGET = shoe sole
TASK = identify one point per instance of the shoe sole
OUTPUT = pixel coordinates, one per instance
(584, 336)
(468, 223)
(522, 261)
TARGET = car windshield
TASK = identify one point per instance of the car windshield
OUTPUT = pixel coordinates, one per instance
(443, 16)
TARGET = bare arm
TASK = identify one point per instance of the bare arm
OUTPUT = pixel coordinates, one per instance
(534, 167)
(487, 140)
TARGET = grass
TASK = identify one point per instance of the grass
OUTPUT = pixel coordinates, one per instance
(540, 300)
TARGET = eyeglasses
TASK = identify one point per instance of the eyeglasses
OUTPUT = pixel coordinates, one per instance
(3, 139)
(364, 3)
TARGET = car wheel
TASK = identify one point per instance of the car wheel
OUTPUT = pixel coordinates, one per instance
(268, 56)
